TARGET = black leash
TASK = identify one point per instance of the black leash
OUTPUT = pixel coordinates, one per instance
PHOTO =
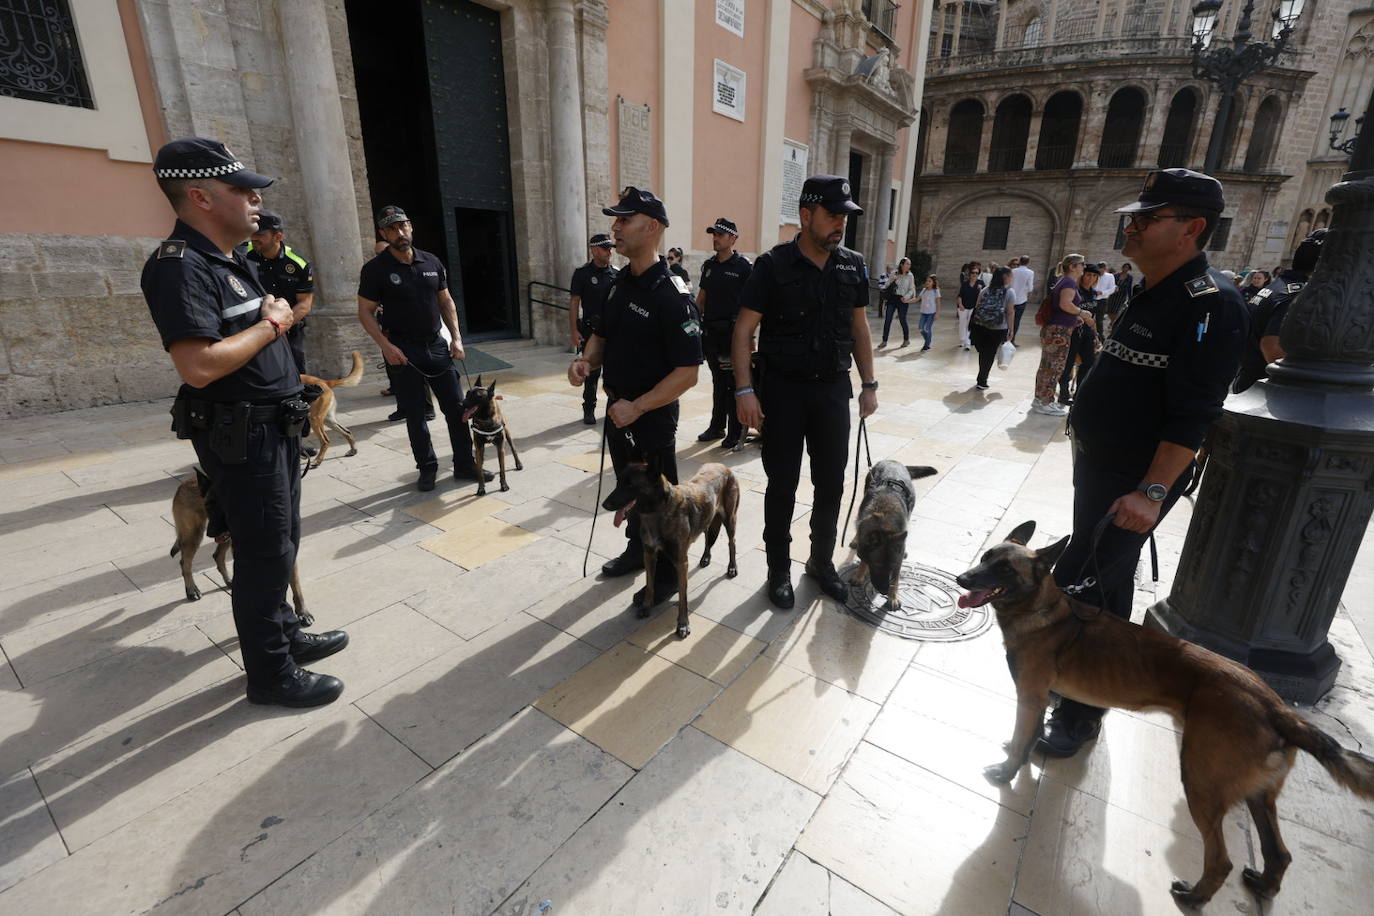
(859, 437)
(1084, 584)
(600, 474)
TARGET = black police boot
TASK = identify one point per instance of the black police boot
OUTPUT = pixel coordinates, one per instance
(589, 416)
(297, 688)
(426, 481)
(780, 589)
(309, 647)
(711, 435)
(470, 473)
(662, 592)
(309, 451)
(1065, 734)
(397, 414)
(628, 562)
(828, 579)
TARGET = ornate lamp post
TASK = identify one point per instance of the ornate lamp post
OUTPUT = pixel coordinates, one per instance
(1229, 67)
(1289, 488)
(1338, 128)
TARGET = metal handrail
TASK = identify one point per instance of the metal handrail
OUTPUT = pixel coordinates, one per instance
(530, 300)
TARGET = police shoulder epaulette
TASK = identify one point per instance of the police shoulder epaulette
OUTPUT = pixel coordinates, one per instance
(295, 257)
(679, 284)
(171, 248)
(1201, 286)
(1295, 287)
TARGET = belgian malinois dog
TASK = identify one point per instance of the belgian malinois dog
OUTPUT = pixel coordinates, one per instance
(480, 408)
(672, 516)
(880, 530)
(190, 515)
(1239, 738)
(322, 409)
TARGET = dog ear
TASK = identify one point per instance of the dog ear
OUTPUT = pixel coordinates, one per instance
(919, 470)
(1051, 554)
(203, 482)
(491, 389)
(479, 382)
(1021, 534)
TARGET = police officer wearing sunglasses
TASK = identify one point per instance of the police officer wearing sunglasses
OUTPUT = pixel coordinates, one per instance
(240, 406)
(1139, 417)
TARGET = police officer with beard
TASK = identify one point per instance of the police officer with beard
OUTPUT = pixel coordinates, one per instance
(240, 405)
(648, 345)
(808, 299)
(1268, 309)
(722, 281)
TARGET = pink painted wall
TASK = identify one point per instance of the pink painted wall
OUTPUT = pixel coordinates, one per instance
(725, 152)
(633, 71)
(67, 190)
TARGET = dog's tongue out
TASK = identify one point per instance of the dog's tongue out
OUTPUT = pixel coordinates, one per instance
(623, 511)
(467, 414)
(976, 598)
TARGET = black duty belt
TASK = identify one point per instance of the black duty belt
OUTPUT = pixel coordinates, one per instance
(414, 339)
(263, 413)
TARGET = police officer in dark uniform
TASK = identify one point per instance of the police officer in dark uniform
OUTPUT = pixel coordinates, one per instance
(1268, 308)
(240, 406)
(722, 281)
(649, 345)
(1140, 415)
(412, 286)
(286, 275)
(808, 298)
(591, 283)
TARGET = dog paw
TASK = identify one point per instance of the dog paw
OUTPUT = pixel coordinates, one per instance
(519, 466)
(504, 486)
(1255, 881)
(350, 453)
(307, 620)
(684, 631)
(1000, 773)
(1183, 893)
(731, 572)
(481, 491)
(705, 561)
(193, 594)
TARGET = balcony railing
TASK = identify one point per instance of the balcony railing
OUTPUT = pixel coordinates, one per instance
(1053, 157)
(1008, 58)
(882, 14)
(1173, 155)
(1117, 155)
(960, 164)
(1012, 159)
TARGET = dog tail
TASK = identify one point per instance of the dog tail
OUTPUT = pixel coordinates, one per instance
(1351, 769)
(352, 378)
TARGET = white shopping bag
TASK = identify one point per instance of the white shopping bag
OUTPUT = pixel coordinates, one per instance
(1005, 353)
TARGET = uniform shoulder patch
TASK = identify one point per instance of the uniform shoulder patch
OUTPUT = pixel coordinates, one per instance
(1295, 287)
(1264, 293)
(679, 284)
(691, 327)
(1201, 286)
(171, 248)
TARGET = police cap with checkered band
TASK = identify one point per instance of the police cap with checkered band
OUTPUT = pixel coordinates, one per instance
(831, 192)
(200, 157)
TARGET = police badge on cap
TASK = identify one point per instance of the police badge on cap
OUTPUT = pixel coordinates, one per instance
(199, 157)
(831, 192)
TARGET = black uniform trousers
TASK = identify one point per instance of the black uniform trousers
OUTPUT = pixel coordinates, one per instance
(814, 414)
(716, 349)
(593, 377)
(431, 363)
(261, 502)
(295, 336)
(986, 341)
(1083, 349)
(652, 436)
(1095, 488)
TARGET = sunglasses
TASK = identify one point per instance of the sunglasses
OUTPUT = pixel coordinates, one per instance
(1143, 221)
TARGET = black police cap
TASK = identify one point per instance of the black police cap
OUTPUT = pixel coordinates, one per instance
(1310, 249)
(723, 225)
(600, 240)
(831, 192)
(200, 157)
(1179, 187)
(390, 215)
(269, 221)
(633, 200)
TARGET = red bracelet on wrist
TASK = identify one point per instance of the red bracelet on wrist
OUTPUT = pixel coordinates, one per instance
(276, 328)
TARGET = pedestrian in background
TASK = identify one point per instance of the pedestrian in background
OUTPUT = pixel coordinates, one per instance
(930, 307)
(970, 285)
(989, 322)
(1065, 315)
(900, 293)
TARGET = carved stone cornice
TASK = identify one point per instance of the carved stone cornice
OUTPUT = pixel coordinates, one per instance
(595, 14)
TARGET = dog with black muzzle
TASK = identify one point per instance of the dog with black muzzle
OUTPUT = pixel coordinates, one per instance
(484, 414)
(672, 516)
(880, 530)
(1239, 738)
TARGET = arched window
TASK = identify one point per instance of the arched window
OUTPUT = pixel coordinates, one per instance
(1303, 229)
(1323, 220)
(965, 137)
(1178, 130)
(1031, 37)
(1264, 137)
(1010, 130)
(1121, 132)
(1059, 131)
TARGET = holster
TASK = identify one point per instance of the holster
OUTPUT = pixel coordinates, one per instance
(229, 432)
(189, 415)
(295, 412)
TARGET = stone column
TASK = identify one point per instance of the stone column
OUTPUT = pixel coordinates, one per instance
(596, 109)
(882, 213)
(1033, 133)
(1235, 161)
(937, 136)
(958, 8)
(1094, 119)
(569, 172)
(1001, 24)
(1153, 135)
(985, 134)
(839, 164)
(326, 177)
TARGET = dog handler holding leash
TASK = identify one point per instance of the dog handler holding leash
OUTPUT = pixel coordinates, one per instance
(1141, 413)
(240, 406)
(648, 346)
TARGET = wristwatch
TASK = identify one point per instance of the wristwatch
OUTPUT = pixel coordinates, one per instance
(1156, 491)
(871, 386)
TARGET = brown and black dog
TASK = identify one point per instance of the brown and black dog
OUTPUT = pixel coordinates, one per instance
(190, 516)
(322, 409)
(672, 516)
(488, 425)
(1239, 738)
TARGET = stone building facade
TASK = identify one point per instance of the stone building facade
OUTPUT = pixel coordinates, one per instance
(502, 127)
(1041, 117)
